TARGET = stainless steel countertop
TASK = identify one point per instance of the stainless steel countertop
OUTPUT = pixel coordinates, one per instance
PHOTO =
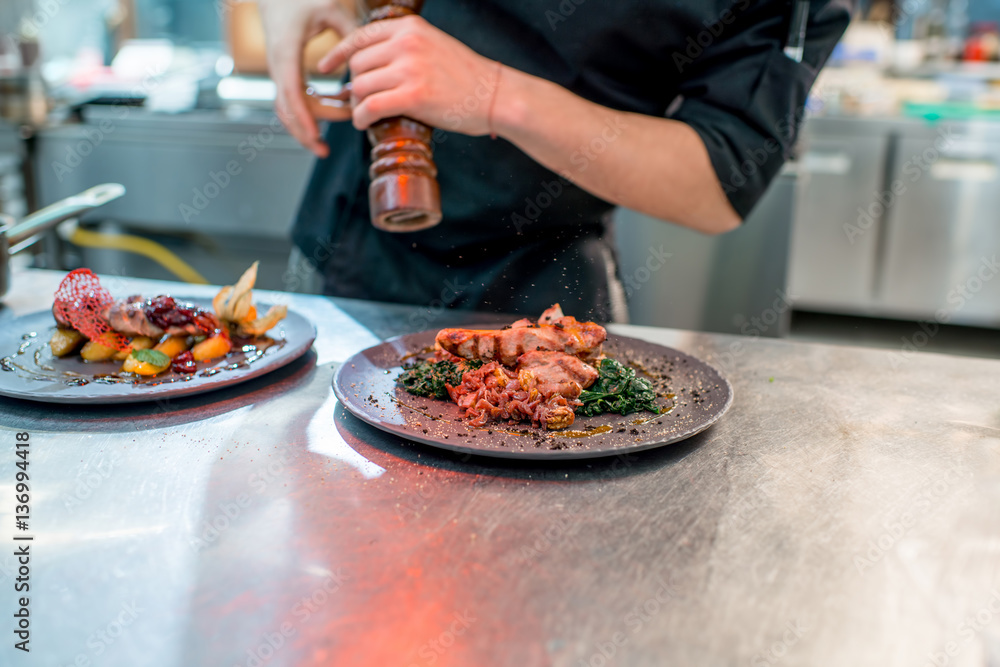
(844, 512)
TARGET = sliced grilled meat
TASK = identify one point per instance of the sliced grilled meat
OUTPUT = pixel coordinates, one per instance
(551, 373)
(543, 390)
(155, 317)
(494, 393)
(555, 332)
(128, 317)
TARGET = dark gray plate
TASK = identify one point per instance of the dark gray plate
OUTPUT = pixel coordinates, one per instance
(293, 337)
(698, 396)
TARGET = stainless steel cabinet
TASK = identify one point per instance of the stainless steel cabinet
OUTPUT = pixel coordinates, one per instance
(835, 240)
(197, 172)
(943, 233)
(733, 283)
(898, 218)
(219, 191)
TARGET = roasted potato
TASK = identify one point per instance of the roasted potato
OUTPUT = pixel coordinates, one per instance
(137, 343)
(66, 341)
(212, 348)
(172, 345)
(146, 362)
(94, 350)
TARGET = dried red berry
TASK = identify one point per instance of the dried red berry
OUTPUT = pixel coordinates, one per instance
(184, 363)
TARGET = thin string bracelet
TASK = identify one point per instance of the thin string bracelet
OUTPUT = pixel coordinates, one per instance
(493, 102)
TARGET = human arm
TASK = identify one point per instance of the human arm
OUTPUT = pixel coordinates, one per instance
(655, 166)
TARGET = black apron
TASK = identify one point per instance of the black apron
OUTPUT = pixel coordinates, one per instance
(517, 238)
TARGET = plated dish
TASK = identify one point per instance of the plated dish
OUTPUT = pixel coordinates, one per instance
(94, 348)
(532, 390)
(543, 372)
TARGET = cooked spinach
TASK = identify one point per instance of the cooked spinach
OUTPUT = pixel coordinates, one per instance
(617, 389)
(428, 378)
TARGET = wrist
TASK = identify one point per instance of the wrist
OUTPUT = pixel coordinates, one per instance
(510, 107)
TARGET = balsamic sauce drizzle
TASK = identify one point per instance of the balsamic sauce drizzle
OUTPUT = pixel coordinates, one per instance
(41, 371)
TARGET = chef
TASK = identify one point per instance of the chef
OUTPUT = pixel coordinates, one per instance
(550, 113)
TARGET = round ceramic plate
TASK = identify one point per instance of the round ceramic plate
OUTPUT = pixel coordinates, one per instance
(28, 369)
(694, 396)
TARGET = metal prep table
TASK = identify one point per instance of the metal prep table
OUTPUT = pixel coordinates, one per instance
(844, 512)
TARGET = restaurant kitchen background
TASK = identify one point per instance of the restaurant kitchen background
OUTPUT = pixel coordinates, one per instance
(884, 224)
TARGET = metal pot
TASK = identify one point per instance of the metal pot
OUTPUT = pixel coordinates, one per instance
(15, 237)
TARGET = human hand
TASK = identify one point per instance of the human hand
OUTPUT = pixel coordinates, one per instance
(288, 25)
(407, 67)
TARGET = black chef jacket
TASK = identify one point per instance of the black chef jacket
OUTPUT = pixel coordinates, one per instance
(515, 237)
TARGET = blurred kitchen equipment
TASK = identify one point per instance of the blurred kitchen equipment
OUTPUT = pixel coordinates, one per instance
(22, 90)
(136, 245)
(22, 99)
(12, 195)
(865, 44)
(907, 56)
(17, 237)
(120, 25)
(983, 43)
(404, 194)
(162, 159)
(248, 45)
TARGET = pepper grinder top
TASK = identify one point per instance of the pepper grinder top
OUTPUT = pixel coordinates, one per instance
(376, 10)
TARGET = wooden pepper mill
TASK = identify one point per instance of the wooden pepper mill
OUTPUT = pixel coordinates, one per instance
(404, 194)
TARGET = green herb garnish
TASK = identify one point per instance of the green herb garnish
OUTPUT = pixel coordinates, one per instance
(153, 357)
(617, 389)
(428, 378)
